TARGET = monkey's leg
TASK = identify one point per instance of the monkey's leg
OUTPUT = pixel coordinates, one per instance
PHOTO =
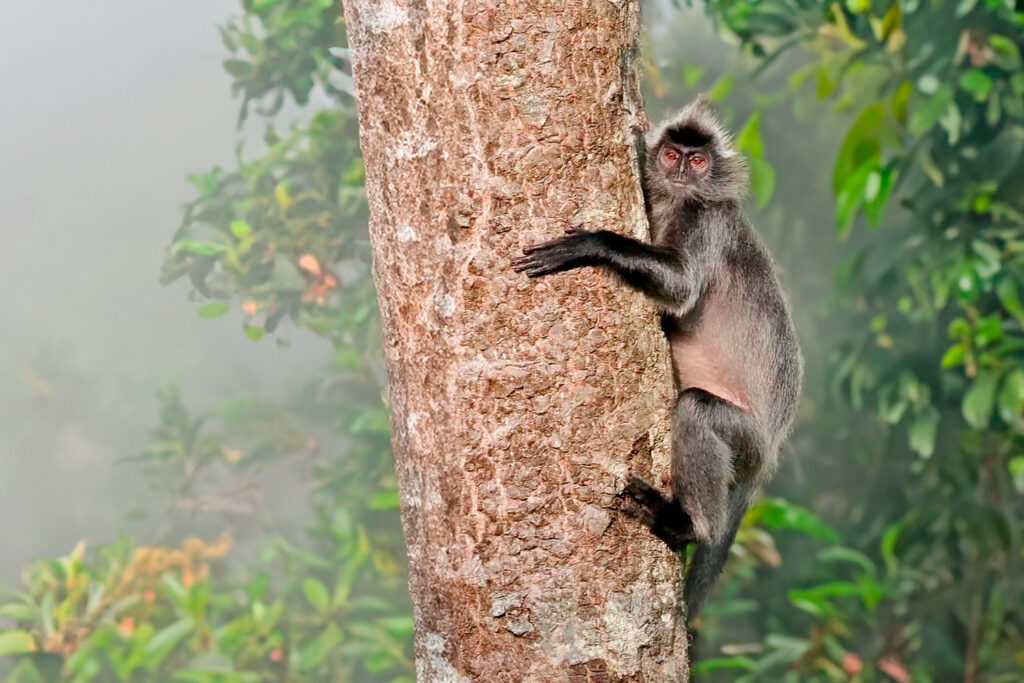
(659, 272)
(709, 558)
(702, 464)
(719, 487)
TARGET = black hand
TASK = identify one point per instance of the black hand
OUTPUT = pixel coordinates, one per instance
(575, 250)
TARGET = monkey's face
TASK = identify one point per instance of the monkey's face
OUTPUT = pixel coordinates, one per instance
(684, 167)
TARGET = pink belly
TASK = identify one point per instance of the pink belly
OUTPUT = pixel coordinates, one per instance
(700, 367)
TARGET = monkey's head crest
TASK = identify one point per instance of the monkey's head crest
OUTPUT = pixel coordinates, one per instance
(690, 157)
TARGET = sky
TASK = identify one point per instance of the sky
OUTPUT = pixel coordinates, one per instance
(105, 106)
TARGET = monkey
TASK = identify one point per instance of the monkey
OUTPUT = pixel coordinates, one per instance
(734, 351)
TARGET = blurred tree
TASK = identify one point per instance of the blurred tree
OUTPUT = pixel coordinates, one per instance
(517, 407)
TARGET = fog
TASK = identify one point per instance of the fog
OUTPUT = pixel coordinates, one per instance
(105, 106)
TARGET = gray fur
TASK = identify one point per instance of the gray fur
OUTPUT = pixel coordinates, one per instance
(735, 353)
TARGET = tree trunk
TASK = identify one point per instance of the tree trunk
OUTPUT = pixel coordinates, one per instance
(518, 407)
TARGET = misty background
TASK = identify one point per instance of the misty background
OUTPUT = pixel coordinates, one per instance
(105, 107)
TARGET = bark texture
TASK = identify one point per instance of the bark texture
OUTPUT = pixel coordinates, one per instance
(518, 407)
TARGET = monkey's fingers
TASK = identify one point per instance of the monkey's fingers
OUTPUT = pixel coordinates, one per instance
(540, 246)
(520, 263)
(544, 261)
(527, 264)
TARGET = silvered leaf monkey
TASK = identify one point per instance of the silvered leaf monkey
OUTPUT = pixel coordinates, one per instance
(734, 350)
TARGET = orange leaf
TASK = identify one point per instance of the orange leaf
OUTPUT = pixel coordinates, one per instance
(126, 627)
(309, 263)
(894, 669)
(852, 664)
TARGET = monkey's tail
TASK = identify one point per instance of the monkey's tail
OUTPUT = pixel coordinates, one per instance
(709, 558)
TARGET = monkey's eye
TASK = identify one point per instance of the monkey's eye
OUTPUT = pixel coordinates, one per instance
(698, 161)
(669, 156)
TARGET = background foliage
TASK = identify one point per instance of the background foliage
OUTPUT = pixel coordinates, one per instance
(890, 546)
(280, 237)
(914, 443)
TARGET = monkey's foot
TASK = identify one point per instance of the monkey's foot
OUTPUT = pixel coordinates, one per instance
(666, 518)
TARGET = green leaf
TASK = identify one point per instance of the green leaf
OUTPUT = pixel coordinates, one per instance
(980, 399)
(888, 546)
(397, 627)
(977, 83)
(16, 642)
(823, 83)
(1006, 290)
(843, 554)
(692, 73)
(721, 89)
(1011, 400)
(860, 145)
(1007, 51)
(891, 21)
(964, 7)
(989, 253)
(851, 196)
(198, 247)
(952, 122)
(253, 332)
(240, 229)
(777, 513)
(762, 179)
(954, 356)
(166, 639)
(748, 140)
(355, 174)
(993, 112)
(316, 593)
(20, 612)
(213, 309)
(704, 666)
(922, 430)
(824, 591)
(238, 68)
(877, 189)
(928, 84)
(988, 330)
(1016, 469)
(926, 115)
(900, 97)
(1017, 83)
(384, 500)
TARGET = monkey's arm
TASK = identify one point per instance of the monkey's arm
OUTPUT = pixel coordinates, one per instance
(659, 272)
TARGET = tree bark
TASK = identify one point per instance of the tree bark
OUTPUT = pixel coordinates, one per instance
(518, 407)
